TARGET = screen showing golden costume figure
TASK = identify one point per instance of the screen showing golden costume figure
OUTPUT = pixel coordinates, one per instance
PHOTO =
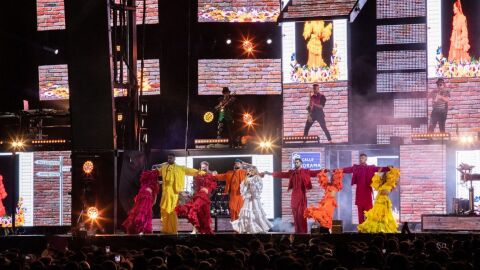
(459, 43)
(316, 32)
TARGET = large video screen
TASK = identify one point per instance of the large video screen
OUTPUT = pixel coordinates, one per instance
(238, 11)
(51, 13)
(44, 184)
(53, 80)
(453, 44)
(242, 76)
(314, 51)
(222, 163)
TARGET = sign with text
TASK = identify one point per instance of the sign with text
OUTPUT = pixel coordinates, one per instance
(311, 160)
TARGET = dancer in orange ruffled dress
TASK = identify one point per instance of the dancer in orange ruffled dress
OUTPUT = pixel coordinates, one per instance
(323, 214)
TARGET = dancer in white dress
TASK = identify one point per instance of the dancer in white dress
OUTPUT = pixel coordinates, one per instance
(252, 218)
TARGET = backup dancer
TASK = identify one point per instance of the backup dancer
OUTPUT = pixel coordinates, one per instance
(197, 211)
(252, 218)
(139, 218)
(380, 218)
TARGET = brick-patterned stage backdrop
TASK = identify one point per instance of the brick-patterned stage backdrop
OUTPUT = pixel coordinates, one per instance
(295, 101)
(313, 195)
(315, 8)
(243, 76)
(50, 15)
(151, 78)
(464, 105)
(47, 169)
(53, 82)
(422, 181)
(238, 10)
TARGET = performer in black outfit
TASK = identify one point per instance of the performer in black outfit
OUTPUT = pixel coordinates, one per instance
(315, 112)
(440, 98)
(225, 115)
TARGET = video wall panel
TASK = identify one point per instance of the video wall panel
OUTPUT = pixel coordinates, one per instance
(238, 11)
(242, 76)
(453, 46)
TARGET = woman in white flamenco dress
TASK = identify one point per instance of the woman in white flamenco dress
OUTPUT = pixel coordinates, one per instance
(252, 218)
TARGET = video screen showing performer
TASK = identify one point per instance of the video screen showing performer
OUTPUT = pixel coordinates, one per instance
(454, 50)
(316, 113)
(440, 98)
(315, 75)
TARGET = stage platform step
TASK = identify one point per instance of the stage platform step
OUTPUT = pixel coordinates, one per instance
(450, 223)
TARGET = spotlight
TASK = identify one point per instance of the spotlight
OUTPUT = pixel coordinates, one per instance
(87, 167)
(248, 46)
(92, 213)
(17, 144)
(266, 144)
(119, 117)
(56, 51)
(228, 41)
(248, 119)
(269, 41)
(208, 117)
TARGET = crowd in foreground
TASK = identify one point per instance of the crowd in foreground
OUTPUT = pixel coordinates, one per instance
(377, 252)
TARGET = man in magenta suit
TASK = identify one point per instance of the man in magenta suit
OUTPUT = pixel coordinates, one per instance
(362, 177)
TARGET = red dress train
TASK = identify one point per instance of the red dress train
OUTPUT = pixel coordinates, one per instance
(139, 218)
(197, 211)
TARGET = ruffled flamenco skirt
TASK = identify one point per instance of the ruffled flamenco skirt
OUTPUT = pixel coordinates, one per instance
(252, 218)
(323, 214)
(379, 219)
(139, 218)
(197, 211)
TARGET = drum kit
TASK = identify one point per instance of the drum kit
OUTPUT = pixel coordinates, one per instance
(35, 124)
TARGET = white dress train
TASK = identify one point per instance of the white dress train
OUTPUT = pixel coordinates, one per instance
(252, 218)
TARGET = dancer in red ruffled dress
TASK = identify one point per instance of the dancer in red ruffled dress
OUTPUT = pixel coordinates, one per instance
(197, 211)
(139, 218)
(3, 195)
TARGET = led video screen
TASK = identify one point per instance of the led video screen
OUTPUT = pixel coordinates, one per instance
(44, 184)
(242, 76)
(50, 15)
(453, 46)
(238, 11)
(314, 51)
(53, 80)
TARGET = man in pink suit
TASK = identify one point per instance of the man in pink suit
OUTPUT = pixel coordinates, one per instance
(362, 177)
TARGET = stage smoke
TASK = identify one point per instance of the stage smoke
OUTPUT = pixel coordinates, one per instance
(282, 226)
